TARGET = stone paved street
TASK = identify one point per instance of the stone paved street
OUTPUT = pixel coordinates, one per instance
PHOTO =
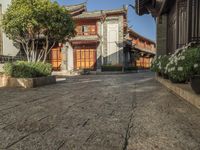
(105, 112)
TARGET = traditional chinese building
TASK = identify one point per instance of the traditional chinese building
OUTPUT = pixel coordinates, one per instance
(143, 48)
(102, 38)
(95, 43)
(178, 22)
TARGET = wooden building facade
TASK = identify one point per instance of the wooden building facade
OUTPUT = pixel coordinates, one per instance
(95, 42)
(178, 21)
(101, 39)
(143, 48)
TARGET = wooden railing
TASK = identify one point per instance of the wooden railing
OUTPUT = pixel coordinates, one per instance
(87, 33)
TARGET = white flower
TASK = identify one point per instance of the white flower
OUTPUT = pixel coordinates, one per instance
(172, 69)
(180, 68)
(182, 57)
(196, 65)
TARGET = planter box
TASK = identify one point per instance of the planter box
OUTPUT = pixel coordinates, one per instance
(195, 83)
(182, 90)
(111, 68)
(6, 81)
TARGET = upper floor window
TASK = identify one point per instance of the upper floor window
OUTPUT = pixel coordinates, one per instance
(86, 30)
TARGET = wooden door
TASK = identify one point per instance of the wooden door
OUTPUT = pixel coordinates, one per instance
(56, 58)
(85, 59)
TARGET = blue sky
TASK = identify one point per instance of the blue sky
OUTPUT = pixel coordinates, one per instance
(144, 25)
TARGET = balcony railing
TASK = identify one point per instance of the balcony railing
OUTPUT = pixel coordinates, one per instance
(86, 33)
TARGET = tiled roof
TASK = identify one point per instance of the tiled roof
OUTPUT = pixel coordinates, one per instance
(96, 14)
(100, 13)
(140, 6)
(145, 50)
(72, 8)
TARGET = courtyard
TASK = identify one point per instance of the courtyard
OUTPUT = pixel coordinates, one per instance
(98, 112)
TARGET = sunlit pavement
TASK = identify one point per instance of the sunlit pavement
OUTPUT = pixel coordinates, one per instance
(102, 112)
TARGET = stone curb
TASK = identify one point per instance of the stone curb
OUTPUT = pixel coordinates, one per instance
(185, 94)
(6, 81)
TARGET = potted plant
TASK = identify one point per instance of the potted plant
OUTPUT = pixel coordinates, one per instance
(178, 67)
(195, 79)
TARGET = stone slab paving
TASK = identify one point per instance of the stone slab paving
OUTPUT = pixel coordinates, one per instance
(102, 112)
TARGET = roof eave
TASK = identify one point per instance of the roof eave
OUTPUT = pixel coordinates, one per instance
(155, 8)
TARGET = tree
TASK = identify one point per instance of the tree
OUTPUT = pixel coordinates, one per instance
(37, 25)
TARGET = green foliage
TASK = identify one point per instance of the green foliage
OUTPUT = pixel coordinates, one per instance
(27, 21)
(180, 67)
(164, 61)
(155, 64)
(22, 69)
(196, 66)
(111, 68)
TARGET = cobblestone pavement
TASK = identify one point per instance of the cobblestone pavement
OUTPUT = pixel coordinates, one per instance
(105, 112)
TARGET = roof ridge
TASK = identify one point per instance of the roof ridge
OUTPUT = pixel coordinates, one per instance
(115, 9)
(84, 3)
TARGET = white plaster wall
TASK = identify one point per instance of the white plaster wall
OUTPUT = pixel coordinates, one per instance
(70, 58)
(112, 39)
(8, 46)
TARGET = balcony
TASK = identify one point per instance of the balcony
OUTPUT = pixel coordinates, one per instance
(86, 33)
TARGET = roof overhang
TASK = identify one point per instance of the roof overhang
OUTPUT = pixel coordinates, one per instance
(139, 49)
(154, 7)
(81, 42)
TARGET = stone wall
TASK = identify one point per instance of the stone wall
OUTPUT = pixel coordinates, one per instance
(162, 35)
(100, 46)
(6, 81)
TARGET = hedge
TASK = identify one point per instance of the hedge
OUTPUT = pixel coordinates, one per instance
(111, 68)
(23, 69)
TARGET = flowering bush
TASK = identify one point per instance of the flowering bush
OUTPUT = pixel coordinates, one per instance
(155, 64)
(159, 64)
(180, 66)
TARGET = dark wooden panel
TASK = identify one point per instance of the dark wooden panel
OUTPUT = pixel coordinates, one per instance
(195, 21)
(172, 30)
(182, 25)
(1, 34)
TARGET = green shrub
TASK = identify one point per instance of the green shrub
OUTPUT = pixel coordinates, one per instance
(22, 69)
(196, 66)
(180, 66)
(159, 64)
(164, 61)
(111, 68)
(155, 64)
